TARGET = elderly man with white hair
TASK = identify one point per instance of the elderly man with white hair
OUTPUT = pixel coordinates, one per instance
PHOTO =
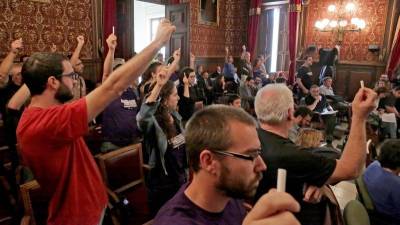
(306, 172)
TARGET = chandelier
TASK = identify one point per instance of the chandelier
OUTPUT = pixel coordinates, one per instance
(339, 22)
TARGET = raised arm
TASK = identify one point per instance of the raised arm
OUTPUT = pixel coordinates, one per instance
(350, 165)
(117, 82)
(78, 49)
(243, 55)
(192, 61)
(226, 54)
(19, 98)
(112, 45)
(8, 61)
(174, 65)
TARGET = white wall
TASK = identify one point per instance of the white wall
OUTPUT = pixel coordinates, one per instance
(143, 12)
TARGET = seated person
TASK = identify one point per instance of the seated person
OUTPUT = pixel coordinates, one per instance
(234, 100)
(336, 101)
(302, 118)
(383, 181)
(246, 94)
(310, 140)
(318, 103)
(224, 155)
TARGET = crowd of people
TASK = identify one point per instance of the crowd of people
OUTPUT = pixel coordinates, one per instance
(213, 141)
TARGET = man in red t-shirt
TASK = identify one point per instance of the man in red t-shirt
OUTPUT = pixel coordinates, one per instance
(50, 132)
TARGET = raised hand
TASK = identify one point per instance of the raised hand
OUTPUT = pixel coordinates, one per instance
(244, 48)
(162, 76)
(81, 40)
(364, 102)
(185, 80)
(53, 48)
(17, 45)
(112, 42)
(192, 57)
(227, 49)
(164, 32)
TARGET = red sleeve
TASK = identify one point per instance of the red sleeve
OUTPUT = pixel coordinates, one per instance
(68, 121)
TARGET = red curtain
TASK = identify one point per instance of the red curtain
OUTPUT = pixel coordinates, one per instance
(109, 19)
(394, 58)
(174, 1)
(254, 19)
(294, 12)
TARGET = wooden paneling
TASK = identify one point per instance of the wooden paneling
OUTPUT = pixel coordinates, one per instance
(210, 63)
(348, 76)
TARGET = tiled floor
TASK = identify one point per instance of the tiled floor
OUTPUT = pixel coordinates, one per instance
(345, 191)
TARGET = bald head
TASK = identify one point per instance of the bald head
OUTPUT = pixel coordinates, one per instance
(272, 104)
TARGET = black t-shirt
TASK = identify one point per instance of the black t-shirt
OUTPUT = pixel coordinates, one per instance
(304, 73)
(389, 101)
(302, 168)
(321, 105)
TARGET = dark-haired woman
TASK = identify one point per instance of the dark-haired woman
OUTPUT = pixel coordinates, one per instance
(164, 142)
(148, 79)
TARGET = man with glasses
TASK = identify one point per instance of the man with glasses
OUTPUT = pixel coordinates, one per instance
(50, 133)
(224, 154)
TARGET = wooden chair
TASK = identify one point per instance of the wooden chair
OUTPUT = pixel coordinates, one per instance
(123, 174)
(123, 168)
(35, 204)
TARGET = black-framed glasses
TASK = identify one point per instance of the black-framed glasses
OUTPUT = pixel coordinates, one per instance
(71, 75)
(250, 157)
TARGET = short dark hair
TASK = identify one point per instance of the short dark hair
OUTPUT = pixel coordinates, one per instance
(209, 129)
(303, 112)
(39, 67)
(232, 98)
(280, 80)
(390, 154)
(185, 71)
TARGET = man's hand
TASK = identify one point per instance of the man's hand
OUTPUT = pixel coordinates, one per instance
(312, 194)
(364, 102)
(273, 208)
(81, 40)
(112, 42)
(17, 45)
(164, 32)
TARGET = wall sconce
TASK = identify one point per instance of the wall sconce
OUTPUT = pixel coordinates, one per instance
(339, 23)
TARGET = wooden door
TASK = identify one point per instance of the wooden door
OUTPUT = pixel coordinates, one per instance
(179, 15)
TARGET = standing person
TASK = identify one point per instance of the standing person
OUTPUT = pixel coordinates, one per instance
(304, 77)
(62, 164)
(119, 127)
(79, 89)
(274, 107)
(164, 142)
(224, 154)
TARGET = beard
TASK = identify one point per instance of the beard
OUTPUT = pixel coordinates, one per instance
(63, 94)
(235, 186)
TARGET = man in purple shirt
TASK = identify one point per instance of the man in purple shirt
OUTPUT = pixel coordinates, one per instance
(224, 155)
